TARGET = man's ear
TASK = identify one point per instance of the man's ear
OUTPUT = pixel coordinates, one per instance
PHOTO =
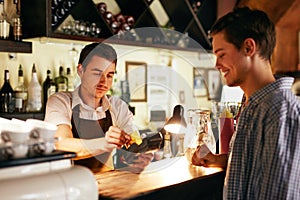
(79, 69)
(249, 46)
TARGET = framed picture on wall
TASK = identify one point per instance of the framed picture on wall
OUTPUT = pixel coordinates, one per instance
(200, 82)
(136, 75)
(207, 83)
(214, 84)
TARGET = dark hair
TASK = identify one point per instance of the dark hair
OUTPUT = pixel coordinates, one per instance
(243, 23)
(97, 49)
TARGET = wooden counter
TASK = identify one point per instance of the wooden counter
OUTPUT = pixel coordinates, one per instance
(166, 179)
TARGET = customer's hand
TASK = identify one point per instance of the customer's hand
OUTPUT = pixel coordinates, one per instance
(140, 162)
(209, 159)
(115, 138)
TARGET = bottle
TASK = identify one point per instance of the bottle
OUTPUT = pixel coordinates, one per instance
(7, 95)
(70, 80)
(4, 24)
(61, 81)
(16, 23)
(34, 102)
(167, 146)
(21, 92)
(180, 151)
(48, 87)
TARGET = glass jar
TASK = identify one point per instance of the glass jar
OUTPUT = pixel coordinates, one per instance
(199, 132)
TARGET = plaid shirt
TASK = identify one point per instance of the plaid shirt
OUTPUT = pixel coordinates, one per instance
(264, 162)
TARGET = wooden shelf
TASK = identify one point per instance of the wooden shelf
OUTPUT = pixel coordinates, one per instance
(37, 22)
(24, 116)
(15, 46)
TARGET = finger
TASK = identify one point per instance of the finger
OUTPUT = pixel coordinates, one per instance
(114, 134)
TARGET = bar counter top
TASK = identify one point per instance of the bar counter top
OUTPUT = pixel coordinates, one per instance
(171, 178)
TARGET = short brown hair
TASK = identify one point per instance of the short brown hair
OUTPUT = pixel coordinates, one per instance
(243, 23)
(97, 49)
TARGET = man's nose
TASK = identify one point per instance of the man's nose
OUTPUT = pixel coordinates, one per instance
(103, 78)
(218, 65)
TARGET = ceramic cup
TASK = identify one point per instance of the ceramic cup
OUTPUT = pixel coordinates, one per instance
(18, 134)
(44, 131)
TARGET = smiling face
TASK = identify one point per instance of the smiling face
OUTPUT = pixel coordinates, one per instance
(231, 62)
(96, 79)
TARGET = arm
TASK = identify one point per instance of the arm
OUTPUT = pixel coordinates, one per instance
(85, 148)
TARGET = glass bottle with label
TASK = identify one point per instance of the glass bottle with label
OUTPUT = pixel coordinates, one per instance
(34, 102)
(21, 92)
(61, 81)
(48, 87)
(7, 95)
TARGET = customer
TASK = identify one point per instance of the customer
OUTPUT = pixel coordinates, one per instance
(90, 122)
(264, 160)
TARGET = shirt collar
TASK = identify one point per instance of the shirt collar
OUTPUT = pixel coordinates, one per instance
(97, 113)
(279, 84)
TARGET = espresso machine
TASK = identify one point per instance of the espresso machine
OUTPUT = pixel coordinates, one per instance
(32, 169)
(51, 177)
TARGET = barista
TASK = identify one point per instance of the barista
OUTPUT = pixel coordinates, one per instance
(90, 122)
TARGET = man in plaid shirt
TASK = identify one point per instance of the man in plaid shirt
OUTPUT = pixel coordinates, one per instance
(264, 157)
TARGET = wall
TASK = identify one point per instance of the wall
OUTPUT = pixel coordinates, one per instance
(50, 54)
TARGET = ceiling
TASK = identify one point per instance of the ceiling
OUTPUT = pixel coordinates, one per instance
(284, 13)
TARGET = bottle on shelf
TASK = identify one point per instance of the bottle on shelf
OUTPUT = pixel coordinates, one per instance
(16, 23)
(4, 22)
(48, 87)
(70, 77)
(34, 102)
(61, 81)
(20, 92)
(7, 95)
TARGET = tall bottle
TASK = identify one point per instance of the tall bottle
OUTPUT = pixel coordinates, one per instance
(61, 81)
(16, 23)
(21, 92)
(48, 87)
(7, 95)
(34, 93)
(4, 22)
(167, 147)
(70, 80)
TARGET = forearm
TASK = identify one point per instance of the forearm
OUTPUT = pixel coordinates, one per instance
(83, 148)
(221, 160)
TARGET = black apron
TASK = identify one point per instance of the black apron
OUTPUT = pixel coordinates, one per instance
(91, 129)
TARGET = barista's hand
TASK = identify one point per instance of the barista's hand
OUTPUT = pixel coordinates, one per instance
(115, 138)
(140, 162)
(209, 159)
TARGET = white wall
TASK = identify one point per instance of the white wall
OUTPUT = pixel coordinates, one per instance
(50, 53)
